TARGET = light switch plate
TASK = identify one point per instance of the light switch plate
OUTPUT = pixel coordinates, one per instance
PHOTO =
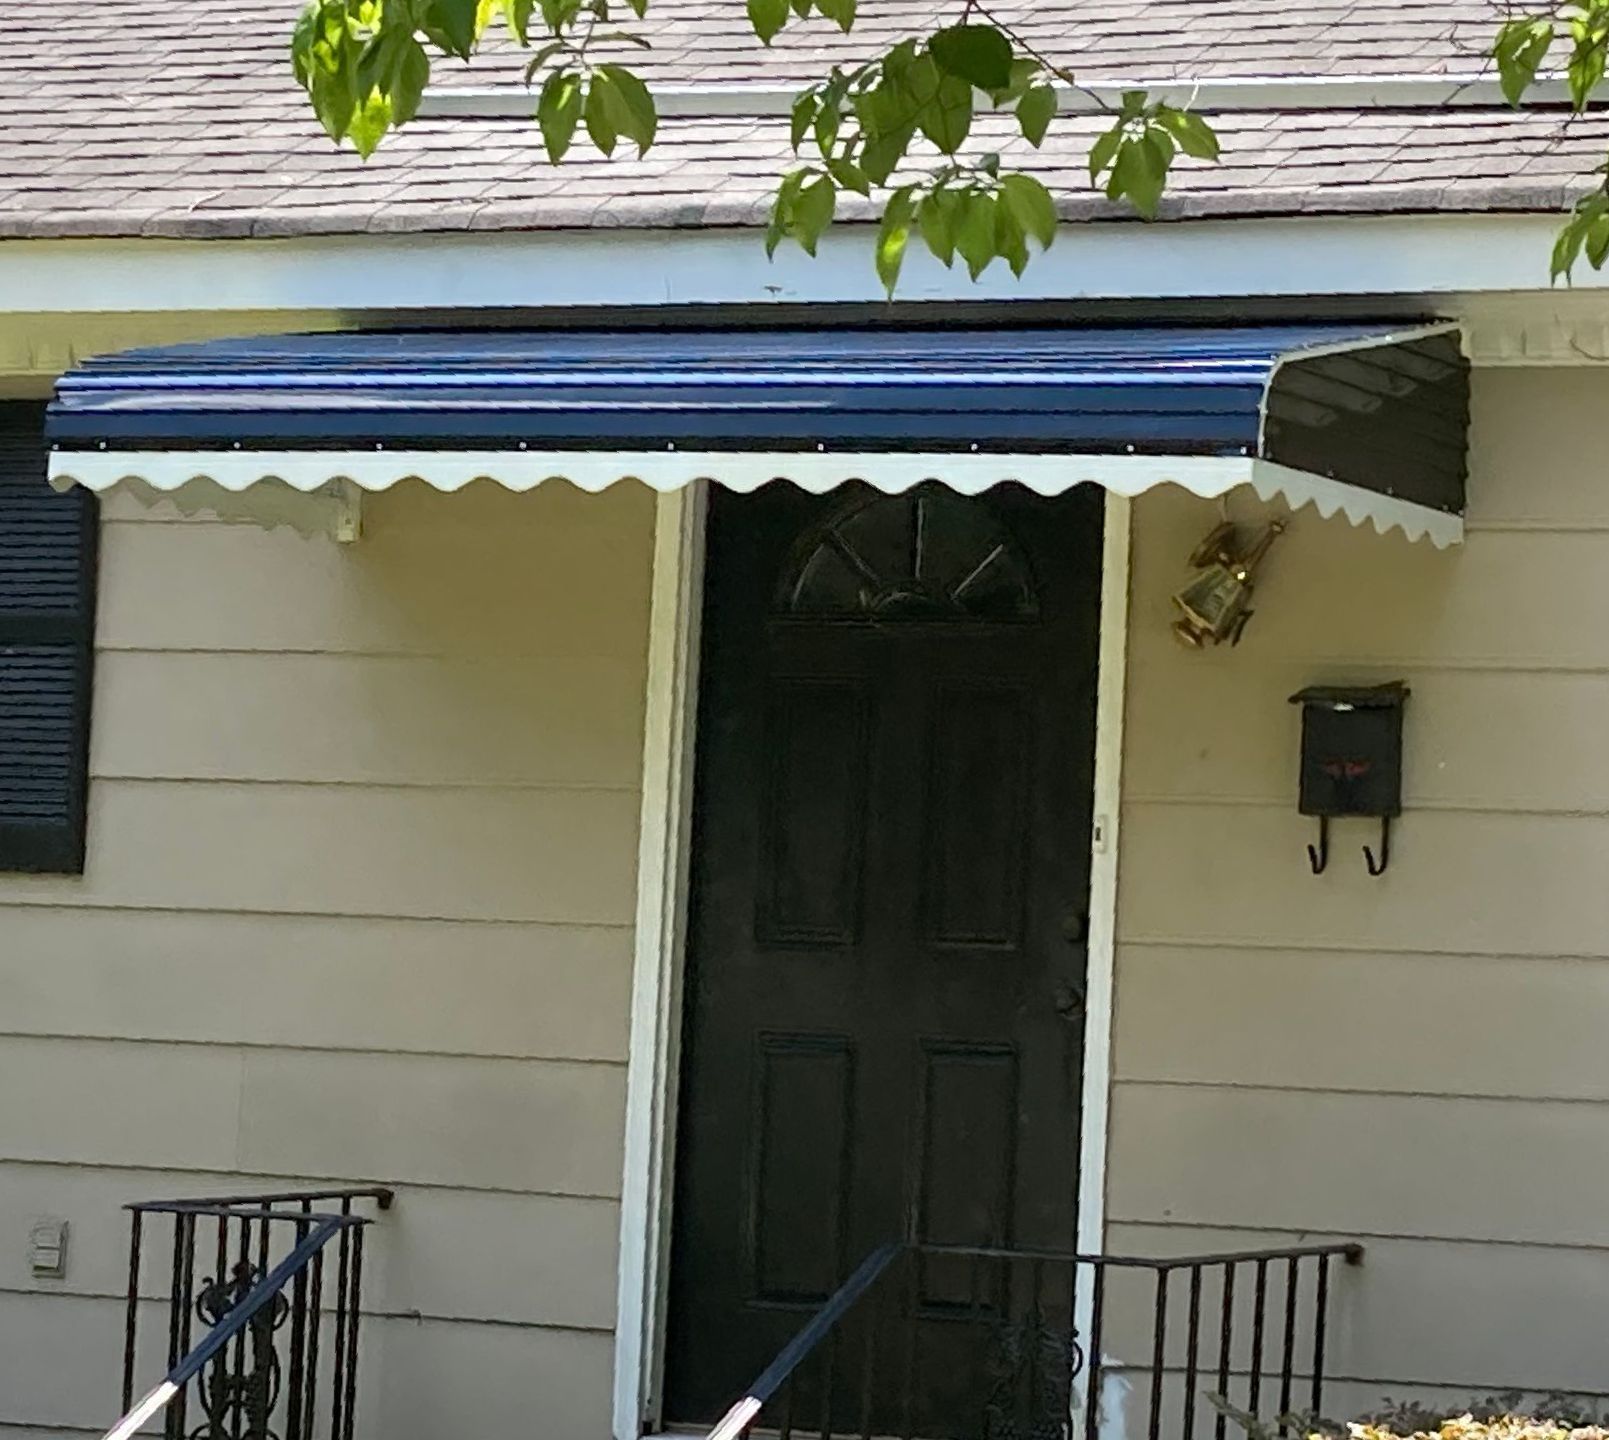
(47, 1249)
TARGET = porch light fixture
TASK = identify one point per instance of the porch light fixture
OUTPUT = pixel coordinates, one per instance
(1215, 605)
(1351, 762)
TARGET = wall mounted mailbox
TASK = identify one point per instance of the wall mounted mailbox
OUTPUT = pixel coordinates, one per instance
(1351, 761)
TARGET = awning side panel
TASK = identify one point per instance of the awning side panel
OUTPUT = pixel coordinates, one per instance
(1392, 418)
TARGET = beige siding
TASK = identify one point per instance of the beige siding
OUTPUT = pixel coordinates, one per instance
(1416, 1060)
(358, 907)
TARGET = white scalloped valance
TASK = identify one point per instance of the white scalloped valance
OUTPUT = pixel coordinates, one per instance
(318, 492)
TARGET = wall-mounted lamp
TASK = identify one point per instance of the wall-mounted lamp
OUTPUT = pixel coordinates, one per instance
(1216, 603)
(1351, 761)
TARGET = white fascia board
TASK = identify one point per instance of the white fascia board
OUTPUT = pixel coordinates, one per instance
(1424, 256)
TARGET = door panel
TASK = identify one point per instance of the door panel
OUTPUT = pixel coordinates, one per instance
(890, 855)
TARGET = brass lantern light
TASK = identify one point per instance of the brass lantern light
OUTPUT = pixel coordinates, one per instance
(1216, 604)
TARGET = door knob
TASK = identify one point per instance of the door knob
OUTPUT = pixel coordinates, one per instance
(1074, 926)
(1069, 1000)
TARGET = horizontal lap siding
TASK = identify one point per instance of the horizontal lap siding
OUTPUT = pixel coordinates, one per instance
(358, 907)
(1414, 1059)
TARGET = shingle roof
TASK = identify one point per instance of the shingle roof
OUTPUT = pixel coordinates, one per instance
(148, 117)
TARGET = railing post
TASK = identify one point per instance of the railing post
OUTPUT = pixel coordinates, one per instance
(352, 1332)
(1093, 1368)
(1287, 1369)
(131, 1321)
(1320, 1320)
(1159, 1350)
(1259, 1309)
(1193, 1341)
(1226, 1345)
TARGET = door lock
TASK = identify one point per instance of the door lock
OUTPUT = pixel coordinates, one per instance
(1069, 1001)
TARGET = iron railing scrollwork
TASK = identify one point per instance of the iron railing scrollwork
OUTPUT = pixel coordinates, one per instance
(277, 1357)
(949, 1342)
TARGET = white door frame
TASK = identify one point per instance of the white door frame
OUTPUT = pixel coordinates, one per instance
(662, 870)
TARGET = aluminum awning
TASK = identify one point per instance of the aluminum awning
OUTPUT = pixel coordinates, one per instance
(1369, 421)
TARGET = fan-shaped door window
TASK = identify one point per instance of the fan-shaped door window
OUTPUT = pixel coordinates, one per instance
(926, 555)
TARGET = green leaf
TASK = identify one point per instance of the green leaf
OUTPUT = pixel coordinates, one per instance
(975, 230)
(519, 18)
(542, 56)
(1585, 68)
(1035, 111)
(1009, 240)
(880, 156)
(1104, 151)
(805, 105)
(370, 120)
(1519, 50)
(1567, 247)
(978, 54)
(782, 209)
(409, 78)
(1597, 246)
(1139, 172)
(1192, 134)
(937, 215)
(828, 120)
(451, 24)
(1133, 104)
(849, 175)
(628, 104)
(840, 12)
(558, 111)
(893, 235)
(768, 17)
(943, 104)
(813, 211)
(1030, 205)
(1024, 72)
(598, 114)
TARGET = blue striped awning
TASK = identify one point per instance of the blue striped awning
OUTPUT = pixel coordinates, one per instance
(1307, 411)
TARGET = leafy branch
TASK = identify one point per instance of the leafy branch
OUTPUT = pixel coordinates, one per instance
(365, 65)
(1524, 43)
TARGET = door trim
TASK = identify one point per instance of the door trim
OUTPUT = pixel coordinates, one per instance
(663, 854)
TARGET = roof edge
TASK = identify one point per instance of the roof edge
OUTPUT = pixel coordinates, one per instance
(1229, 94)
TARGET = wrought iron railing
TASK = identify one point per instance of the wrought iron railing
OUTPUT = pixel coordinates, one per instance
(249, 1272)
(994, 1344)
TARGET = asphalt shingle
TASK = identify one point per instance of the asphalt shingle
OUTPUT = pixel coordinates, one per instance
(140, 117)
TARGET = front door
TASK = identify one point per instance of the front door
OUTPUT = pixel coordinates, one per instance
(890, 875)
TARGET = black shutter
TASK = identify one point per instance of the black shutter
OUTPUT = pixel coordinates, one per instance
(47, 652)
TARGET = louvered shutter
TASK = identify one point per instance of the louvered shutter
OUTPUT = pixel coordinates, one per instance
(47, 625)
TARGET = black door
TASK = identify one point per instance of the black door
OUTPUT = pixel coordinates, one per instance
(890, 877)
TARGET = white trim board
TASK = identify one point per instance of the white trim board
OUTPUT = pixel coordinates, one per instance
(1414, 255)
(663, 855)
(662, 890)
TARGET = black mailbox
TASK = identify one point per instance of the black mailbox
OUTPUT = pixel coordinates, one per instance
(1351, 760)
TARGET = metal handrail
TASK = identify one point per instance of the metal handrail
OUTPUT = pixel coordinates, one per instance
(326, 1228)
(382, 1196)
(771, 1379)
(740, 1416)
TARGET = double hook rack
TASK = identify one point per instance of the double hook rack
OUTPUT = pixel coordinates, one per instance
(1318, 856)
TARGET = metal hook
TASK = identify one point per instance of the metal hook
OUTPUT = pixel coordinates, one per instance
(1379, 868)
(1319, 857)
